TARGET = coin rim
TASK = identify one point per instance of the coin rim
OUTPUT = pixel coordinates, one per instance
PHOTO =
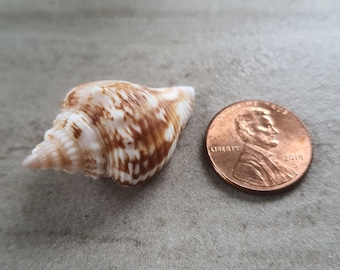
(275, 189)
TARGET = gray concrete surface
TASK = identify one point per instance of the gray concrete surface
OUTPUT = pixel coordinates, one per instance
(286, 52)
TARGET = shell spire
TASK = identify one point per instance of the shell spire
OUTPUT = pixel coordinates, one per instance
(115, 129)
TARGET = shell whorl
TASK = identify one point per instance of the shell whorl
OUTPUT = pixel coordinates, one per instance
(115, 129)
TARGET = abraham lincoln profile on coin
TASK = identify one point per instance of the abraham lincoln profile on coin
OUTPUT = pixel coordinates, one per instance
(255, 164)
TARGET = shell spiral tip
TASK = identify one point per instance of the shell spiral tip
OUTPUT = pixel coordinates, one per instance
(32, 162)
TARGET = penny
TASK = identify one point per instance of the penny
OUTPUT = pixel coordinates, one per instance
(258, 146)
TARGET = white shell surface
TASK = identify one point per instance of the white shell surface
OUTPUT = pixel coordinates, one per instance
(115, 129)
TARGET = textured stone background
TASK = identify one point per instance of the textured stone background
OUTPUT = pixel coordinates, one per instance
(286, 52)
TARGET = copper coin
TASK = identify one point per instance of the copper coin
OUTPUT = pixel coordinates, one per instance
(258, 146)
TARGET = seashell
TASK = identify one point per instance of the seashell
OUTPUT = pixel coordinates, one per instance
(115, 129)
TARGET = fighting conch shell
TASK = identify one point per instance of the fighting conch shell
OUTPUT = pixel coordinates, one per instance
(115, 129)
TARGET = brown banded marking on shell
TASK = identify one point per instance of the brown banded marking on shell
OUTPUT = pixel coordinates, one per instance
(115, 129)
